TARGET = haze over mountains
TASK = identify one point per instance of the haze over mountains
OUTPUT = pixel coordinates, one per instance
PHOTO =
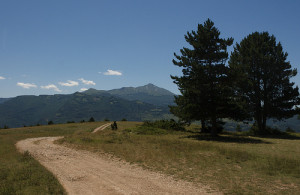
(147, 102)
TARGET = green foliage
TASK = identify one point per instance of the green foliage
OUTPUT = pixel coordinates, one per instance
(165, 124)
(205, 89)
(238, 128)
(254, 130)
(147, 130)
(289, 130)
(91, 119)
(124, 119)
(106, 120)
(70, 121)
(50, 123)
(262, 75)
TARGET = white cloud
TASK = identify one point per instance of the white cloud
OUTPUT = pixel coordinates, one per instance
(112, 73)
(69, 83)
(51, 86)
(2, 78)
(26, 85)
(86, 82)
(83, 89)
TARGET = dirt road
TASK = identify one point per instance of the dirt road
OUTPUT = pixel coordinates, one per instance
(102, 127)
(82, 172)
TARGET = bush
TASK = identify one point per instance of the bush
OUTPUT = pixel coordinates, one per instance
(124, 119)
(70, 121)
(289, 130)
(106, 120)
(50, 123)
(208, 128)
(92, 119)
(238, 128)
(146, 130)
(254, 130)
(165, 124)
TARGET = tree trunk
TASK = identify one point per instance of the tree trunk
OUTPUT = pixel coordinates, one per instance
(264, 124)
(214, 131)
(203, 127)
(258, 121)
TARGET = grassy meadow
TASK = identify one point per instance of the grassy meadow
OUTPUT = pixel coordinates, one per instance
(20, 173)
(231, 163)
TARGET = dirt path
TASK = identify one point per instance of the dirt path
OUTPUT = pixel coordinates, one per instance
(102, 127)
(83, 172)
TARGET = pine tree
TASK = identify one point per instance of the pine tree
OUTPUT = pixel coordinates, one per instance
(205, 85)
(262, 77)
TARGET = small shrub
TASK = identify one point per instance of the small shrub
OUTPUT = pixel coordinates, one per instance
(144, 130)
(254, 130)
(124, 119)
(106, 120)
(165, 124)
(238, 128)
(289, 130)
(50, 123)
(92, 119)
(70, 121)
(82, 121)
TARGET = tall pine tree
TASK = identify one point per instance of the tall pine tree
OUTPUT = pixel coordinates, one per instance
(262, 74)
(205, 86)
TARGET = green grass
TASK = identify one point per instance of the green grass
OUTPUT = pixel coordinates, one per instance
(20, 173)
(233, 164)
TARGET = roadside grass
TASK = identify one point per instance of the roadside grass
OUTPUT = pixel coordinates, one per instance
(20, 173)
(232, 163)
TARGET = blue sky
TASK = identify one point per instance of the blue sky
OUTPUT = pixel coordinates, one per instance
(63, 46)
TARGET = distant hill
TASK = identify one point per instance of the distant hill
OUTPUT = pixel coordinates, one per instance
(149, 93)
(2, 100)
(293, 123)
(32, 110)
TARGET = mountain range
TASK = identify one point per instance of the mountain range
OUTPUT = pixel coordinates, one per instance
(147, 102)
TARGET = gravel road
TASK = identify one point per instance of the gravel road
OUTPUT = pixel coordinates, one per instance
(83, 172)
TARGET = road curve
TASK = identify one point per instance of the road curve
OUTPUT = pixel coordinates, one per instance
(83, 172)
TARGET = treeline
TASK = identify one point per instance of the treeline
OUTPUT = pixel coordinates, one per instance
(52, 123)
(254, 86)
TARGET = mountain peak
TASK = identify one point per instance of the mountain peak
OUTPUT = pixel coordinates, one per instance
(150, 84)
(148, 93)
(153, 90)
(92, 91)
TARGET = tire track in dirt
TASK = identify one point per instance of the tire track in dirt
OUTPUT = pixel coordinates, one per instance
(102, 127)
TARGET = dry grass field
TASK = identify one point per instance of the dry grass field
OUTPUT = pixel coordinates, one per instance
(231, 163)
